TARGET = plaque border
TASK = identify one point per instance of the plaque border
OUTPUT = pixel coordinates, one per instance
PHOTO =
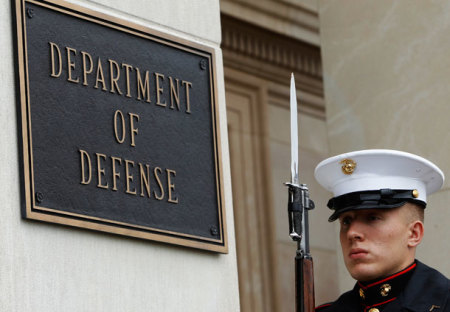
(30, 209)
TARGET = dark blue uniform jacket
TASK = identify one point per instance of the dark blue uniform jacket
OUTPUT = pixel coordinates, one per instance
(424, 290)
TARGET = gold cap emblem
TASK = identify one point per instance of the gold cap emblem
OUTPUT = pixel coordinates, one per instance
(385, 289)
(348, 166)
(415, 193)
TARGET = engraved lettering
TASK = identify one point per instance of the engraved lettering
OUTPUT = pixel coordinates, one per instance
(86, 71)
(145, 179)
(81, 67)
(157, 171)
(54, 48)
(114, 68)
(127, 78)
(171, 186)
(149, 182)
(100, 76)
(84, 156)
(100, 170)
(174, 93)
(133, 130)
(143, 88)
(122, 121)
(71, 65)
(187, 85)
(129, 177)
(115, 174)
(159, 90)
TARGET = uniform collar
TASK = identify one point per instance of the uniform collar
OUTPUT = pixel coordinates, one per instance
(426, 290)
(377, 293)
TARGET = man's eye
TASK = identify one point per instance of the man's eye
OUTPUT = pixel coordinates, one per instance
(373, 217)
(346, 221)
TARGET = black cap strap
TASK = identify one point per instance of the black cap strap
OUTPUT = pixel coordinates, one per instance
(382, 199)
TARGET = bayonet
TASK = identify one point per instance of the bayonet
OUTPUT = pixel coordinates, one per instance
(294, 133)
(298, 205)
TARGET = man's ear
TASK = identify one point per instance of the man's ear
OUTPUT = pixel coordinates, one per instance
(415, 233)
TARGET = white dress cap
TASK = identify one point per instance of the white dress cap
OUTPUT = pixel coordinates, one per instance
(372, 170)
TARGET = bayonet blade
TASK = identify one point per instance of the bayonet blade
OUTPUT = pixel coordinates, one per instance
(294, 133)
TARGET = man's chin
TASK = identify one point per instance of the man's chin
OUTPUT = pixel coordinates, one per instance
(362, 272)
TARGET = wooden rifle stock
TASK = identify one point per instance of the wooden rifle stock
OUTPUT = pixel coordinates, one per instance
(304, 284)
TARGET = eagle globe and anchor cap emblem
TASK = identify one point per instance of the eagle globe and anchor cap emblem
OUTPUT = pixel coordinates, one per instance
(348, 165)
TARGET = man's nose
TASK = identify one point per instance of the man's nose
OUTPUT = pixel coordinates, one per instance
(355, 231)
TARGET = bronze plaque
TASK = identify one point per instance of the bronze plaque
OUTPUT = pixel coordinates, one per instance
(119, 127)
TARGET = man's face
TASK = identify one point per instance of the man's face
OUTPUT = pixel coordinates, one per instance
(375, 242)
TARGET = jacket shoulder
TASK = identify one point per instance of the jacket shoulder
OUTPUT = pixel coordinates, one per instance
(427, 290)
(323, 307)
(347, 302)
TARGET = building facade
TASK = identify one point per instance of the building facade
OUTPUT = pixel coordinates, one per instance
(369, 74)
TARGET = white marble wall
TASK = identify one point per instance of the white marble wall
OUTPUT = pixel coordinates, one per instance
(387, 77)
(45, 267)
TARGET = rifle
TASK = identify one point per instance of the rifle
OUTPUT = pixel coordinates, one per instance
(298, 205)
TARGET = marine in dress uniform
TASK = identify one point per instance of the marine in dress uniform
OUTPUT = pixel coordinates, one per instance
(376, 196)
